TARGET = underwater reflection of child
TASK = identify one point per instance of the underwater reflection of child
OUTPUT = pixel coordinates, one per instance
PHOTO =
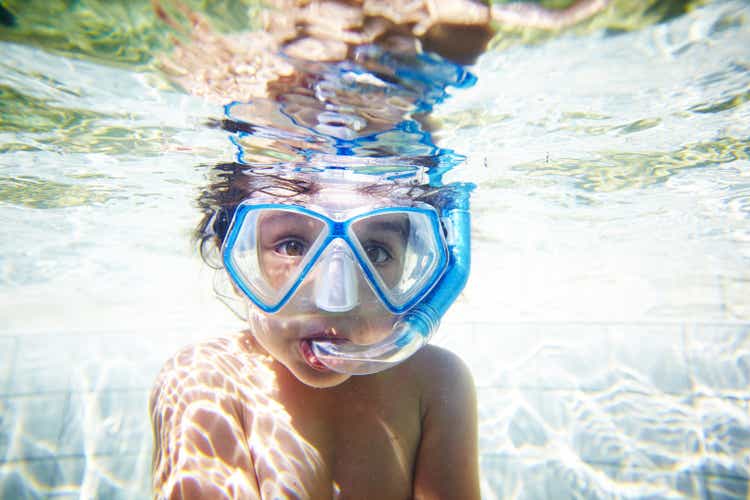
(326, 395)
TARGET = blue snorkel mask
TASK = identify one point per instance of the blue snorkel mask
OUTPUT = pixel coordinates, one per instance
(408, 258)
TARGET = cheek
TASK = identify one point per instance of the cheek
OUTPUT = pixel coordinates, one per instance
(391, 273)
(369, 326)
(272, 332)
(276, 269)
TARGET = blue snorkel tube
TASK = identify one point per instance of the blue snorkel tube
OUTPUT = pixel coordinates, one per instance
(411, 332)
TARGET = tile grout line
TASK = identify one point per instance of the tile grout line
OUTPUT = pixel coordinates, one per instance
(12, 366)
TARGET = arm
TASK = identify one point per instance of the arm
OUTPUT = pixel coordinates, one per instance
(200, 448)
(533, 15)
(447, 461)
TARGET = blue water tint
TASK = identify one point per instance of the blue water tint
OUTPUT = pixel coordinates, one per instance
(386, 138)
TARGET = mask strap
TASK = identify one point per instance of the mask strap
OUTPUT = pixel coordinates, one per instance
(228, 294)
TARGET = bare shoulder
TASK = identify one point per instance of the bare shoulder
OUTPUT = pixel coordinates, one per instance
(447, 463)
(220, 352)
(215, 373)
(211, 365)
(226, 373)
(441, 372)
(437, 360)
(198, 413)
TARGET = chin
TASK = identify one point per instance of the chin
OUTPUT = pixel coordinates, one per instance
(321, 380)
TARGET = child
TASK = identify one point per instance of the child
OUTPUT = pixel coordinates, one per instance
(331, 392)
(331, 272)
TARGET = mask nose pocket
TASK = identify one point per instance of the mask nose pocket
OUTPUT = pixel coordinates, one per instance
(336, 286)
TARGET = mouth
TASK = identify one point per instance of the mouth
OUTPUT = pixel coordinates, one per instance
(305, 346)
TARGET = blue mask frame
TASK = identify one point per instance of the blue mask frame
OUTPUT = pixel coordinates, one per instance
(335, 229)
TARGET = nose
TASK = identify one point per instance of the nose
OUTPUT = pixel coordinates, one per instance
(336, 286)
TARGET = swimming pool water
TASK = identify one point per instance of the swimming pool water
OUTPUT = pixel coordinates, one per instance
(607, 320)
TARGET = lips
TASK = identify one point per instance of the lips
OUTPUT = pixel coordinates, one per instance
(305, 346)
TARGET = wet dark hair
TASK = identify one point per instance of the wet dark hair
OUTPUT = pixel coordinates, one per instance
(236, 182)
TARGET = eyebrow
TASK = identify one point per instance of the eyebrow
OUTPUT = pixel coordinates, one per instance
(279, 217)
(290, 221)
(393, 225)
(387, 226)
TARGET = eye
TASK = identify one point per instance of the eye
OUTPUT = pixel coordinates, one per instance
(291, 248)
(377, 254)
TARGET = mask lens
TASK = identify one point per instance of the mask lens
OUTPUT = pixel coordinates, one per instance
(402, 251)
(269, 251)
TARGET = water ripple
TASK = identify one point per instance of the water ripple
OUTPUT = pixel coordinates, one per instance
(623, 170)
(42, 193)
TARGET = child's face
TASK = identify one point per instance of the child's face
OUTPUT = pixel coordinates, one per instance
(283, 241)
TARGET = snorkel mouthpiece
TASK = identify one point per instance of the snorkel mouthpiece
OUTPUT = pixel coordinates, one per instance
(409, 335)
(414, 329)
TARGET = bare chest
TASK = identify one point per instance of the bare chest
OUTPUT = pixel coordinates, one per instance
(338, 448)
